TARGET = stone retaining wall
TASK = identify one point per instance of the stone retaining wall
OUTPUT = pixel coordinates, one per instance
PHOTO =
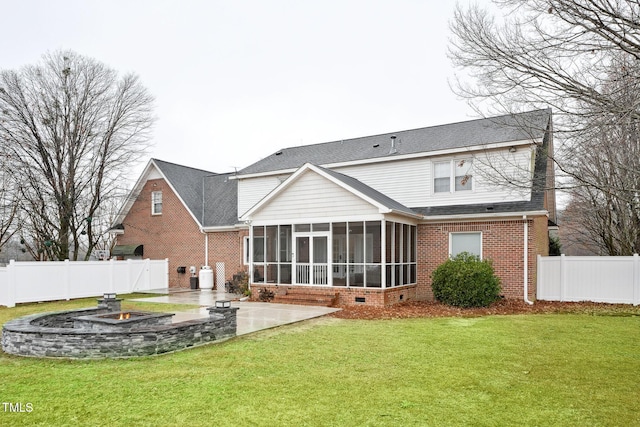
(34, 336)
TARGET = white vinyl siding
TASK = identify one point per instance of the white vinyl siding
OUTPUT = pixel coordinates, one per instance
(411, 181)
(251, 191)
(313, 196)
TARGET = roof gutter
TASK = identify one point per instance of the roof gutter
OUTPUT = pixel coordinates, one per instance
(222, 228)
(440, 218)
(403, 213)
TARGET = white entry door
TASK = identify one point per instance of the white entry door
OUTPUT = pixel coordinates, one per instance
(312, 259)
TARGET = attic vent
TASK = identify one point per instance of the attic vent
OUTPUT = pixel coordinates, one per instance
(489, 208)
(278, 153)
(376, 145)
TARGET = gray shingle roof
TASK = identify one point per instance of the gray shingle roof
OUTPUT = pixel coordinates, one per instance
(220, 203)
(221, 207)
(514, 127)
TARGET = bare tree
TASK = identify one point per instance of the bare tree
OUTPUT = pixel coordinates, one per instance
(9, 224)
(545, 53)
(605, 168)
(72, 128)
(582, 58)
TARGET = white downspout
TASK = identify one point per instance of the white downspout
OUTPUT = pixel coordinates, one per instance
(206, 248)
(526, 261)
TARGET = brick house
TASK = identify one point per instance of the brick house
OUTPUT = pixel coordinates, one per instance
(166, 216)
(363, 220)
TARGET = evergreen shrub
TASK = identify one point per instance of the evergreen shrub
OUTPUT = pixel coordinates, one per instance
(466, 281)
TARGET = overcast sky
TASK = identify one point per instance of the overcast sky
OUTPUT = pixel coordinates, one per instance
(235, 81)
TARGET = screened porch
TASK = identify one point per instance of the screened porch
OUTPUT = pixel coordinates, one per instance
(370, 254)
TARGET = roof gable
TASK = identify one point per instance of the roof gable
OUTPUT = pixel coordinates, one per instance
(187, 183)
(218, 208)
(377, 200)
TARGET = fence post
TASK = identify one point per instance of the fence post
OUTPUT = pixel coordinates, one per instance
(67, 279)
(11, 284)
(538, 268)
(563, 278)
(636, 280)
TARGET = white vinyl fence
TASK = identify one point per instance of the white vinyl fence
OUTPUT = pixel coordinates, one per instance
(56, 280)
(612, 279)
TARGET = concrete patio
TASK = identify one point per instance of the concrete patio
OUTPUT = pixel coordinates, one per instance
(252, 316)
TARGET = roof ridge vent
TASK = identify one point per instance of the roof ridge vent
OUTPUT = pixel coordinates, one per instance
(393, 150)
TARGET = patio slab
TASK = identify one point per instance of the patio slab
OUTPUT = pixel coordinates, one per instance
(252, 316)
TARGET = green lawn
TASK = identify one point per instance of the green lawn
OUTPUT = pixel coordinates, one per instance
(560, 370)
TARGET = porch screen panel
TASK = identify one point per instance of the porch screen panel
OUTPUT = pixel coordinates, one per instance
(302, 259)
(272, 273)
(413, 264)
(271, 253)
(258, 244)
(374, 240)
(258, 273)
(398, 243)
(356, 242)
(285, 273)
(374, 276)
(373, 258)
(356, 275)
(389, 238)
(414, 246)
(271, 243)
(390, 276)
(284, 252)
(406, 240)
(401, 254)
(320, 261)
(302, 249)
(339, 253)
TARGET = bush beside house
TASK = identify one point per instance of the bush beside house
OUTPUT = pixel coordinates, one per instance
(466, 281)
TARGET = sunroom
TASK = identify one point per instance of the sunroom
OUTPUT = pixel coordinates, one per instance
(325, 229)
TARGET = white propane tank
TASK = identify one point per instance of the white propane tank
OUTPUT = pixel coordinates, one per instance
(206, 277)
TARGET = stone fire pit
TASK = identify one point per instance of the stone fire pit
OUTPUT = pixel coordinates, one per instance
(106, 331)
(121, 320)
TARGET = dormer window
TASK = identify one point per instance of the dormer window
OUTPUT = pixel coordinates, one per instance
(453, 175)
(156, 203)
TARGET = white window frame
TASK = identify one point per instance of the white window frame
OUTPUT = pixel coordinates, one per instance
(453, 167)
(246, 248)
(451, 234)
(154, 195)
(435, 164)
